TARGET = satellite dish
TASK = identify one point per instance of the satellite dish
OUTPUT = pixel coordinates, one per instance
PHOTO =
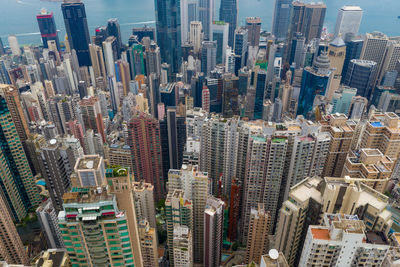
(53, 141)
(273, 254)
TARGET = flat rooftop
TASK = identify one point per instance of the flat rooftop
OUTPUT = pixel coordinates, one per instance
(91, 162)
(377, 238)
(320, 233)
(56, 256)
(87, 195)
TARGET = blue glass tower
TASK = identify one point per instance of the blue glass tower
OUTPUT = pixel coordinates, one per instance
(77, 29)
(168, 23)
(228, 12)
(353, 51)
(315, 81)
(260, 91)
(280, 23)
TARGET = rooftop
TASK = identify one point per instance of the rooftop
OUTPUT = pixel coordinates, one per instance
(88, 162)
(320, 233)
(56, 256)
(87, 195)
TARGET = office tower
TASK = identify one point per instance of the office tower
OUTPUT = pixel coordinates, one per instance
(178, 213)
(361, 75)
(124, 76)
(56, 170)
(54, 258)
(110, 49)
(47, 217)
(380, 133)
(205, 9)
(92, 224)
(148, 243)
(136, 60)
(2, 52)
(353, 51)
(90, 171)
(196, 189)
(337, 55)
(341, 131)
(189, 13)
(11, 248)
(315, 81)
(348, 22)
(313, 20)
(168, 23)
(392, 56)
(144, 202)
(47, 27)
(113, 29)
(230, 94)
(91, 115)
(101, 35)
(258, 240)
(228, 12)
(260, 84)
(19, 191)
(369, 164)
(153, 60)
(281, 19)
(296, 55)
(342, 241)
(220, 33)
(144, 140)
(14, 45)
(77, 29)
(196, 35)
(182, 247)
(213, 231)
(374, 49)
(253, 26)
(240, 48)
(144, 31)
(208, 57)
(342, 100)
(14, 106)
(309, 199)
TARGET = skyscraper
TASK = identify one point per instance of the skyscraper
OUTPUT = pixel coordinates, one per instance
(11, 248)
(281, 20)
(260, 84)
(253, 26)
(1, 48)
(208, 57)
(228, 12)
(91, 115)
(144, 140)
(205, 10)
(47, 27)
(168, 22)
(213, 231)
(348, 22)
(18, 191)
(220, 33)
(77, 29)
(361, 75)
(189, 13)
(47, 217)
(353, 51)
(113, 29)
(240, 48)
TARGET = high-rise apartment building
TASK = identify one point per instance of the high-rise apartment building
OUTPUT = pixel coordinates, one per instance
(348, 22)
(195, 185)
(47, 27)
(91, 115)
(168, 24)
(95, 231)
(178, 213)
(343, 241)
(144, 202)
(281, 20)
(148, 243)
(258, 240)
(312, 197)
(145, 143)
(228, 12)
(18, 186)
(118, 154)
(77, 29)
(341, 131)
(11, 248)
(253, 26)
(213, 231)
(182, 247)
(47, 217)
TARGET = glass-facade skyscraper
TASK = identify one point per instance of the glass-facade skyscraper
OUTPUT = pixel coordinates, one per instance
(48, 29)
(168, 22)
(281, 20)
(228, 12)
(77, 29)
